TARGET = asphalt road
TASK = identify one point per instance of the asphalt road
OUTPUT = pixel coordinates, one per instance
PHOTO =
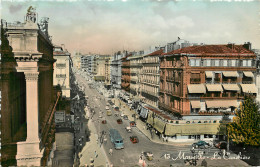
(128, 156)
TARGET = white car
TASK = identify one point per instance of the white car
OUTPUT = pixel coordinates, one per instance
(107, 107)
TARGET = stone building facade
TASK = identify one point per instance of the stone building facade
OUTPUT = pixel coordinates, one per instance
(29, 99)
(135, 73)
(206, 80)
(116, 70)
(125, 71)
(150, 81)
(61, 74)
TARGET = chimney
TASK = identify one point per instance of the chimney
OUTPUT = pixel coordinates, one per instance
(247, 45)
(231, 45)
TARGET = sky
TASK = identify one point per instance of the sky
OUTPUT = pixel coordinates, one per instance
(104, 27)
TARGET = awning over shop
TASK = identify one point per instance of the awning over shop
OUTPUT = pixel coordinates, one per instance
(209, 74)
(195, 104)
(248, 74)
(221, 103)
(144, 112)
(196, 88)
(194, 129)
(232, 87)
(150, 119)
(214, 87)
(230, 74)
(159, 125)
(249, 88)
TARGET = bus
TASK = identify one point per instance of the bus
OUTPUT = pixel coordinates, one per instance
(116, 139)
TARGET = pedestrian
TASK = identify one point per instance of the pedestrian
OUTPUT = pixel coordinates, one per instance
(167, 139)
(111, 151)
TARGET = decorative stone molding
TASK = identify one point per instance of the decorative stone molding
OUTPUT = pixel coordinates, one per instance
(31, 76)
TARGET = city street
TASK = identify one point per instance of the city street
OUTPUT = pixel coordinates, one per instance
(164, 154)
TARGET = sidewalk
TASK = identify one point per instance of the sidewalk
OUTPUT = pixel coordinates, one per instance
(92, 150)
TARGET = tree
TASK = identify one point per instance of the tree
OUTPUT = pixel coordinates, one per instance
(245, 128)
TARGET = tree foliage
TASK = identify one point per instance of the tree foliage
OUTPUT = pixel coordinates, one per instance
(245, 128)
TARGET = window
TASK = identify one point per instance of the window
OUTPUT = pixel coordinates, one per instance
(233, 63)
(208, 63)
(192, 62)
(244, 63)
(225, 63)
(249, 63)
(197, 62)
(216, 62)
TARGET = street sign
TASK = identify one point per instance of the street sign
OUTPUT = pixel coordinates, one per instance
(59, 116)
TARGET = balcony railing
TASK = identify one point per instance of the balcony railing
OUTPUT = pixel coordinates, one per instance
(61, 75)
(60, 65)
(195, 80)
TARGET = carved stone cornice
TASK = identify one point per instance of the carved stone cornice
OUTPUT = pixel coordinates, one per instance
(31, 76)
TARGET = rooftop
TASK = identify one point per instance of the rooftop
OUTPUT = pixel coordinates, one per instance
(213, 49)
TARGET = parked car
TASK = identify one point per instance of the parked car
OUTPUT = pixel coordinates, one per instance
(119, 121)
(107, 107)
(109, 112)
(116, 108)
(201, 144)
(104, 121)
(132, 124)
(128, 129)
(134, 139)
(125, 117)
(221, 145)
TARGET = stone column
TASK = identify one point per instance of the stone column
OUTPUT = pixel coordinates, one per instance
(32, 106)
(28, 152)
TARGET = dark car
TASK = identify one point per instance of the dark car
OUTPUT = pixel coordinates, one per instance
(104, 121)
(221, 145)
(201, 144)
(116, 108)
(125, 117)
(134, 139)
(119, 121)
(133, 124)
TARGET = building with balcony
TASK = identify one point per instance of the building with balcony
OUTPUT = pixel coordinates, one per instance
(61, 74)
(257, 52)
(84, 61)
(115, 67)
(76, 59)
(28, 97)
(206, 80)
(100, 67)
(150, 81)
(107, 72)
(135, 74)
(125, 71)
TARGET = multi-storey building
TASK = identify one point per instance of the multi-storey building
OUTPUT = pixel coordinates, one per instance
(100, 69)
(151, 78)
(125, 71)
(116, 70)
(206, 80)
(84, 63)
(61, 74)
(28, 97)
(76, 59)
(135, 73)
(107, 73)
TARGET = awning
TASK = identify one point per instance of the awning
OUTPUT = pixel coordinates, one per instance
(248, 74)
(249, 88)
(144, 112)
(150, 119)
(195, 129)
(214, 87)
(221, 103)
(232, 87)
(196, 88)
(209, 74)
(159, 125)
(230, 74)
(195, 104)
